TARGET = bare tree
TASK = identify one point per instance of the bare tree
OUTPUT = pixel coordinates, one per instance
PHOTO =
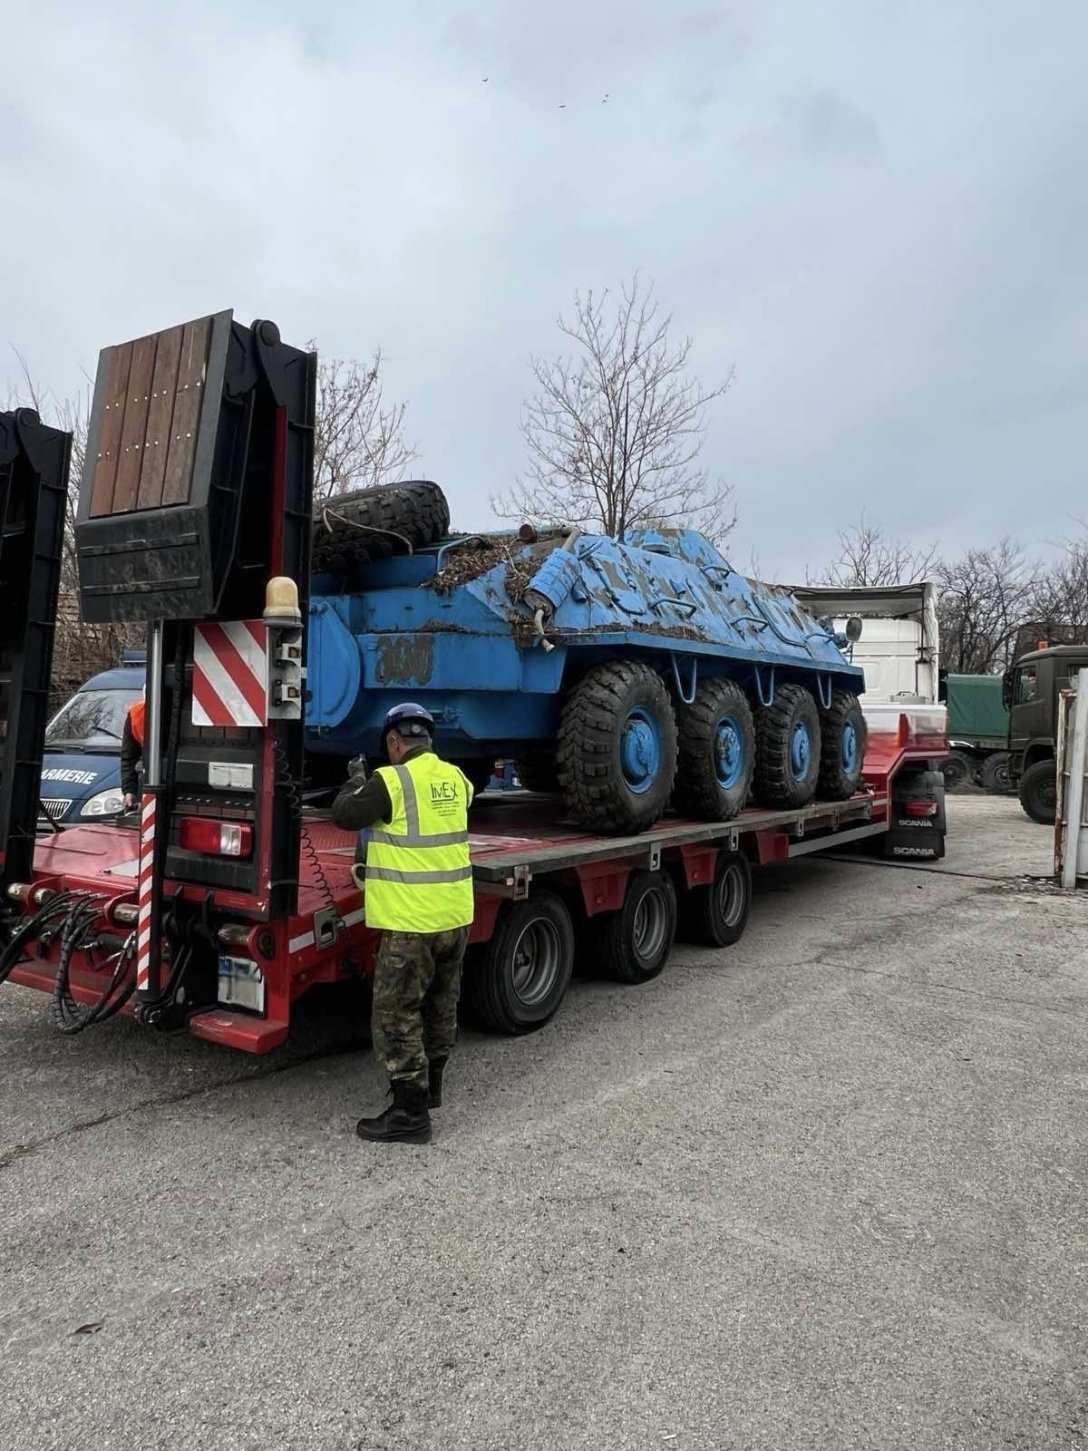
(358, 440)
(868, 557)
(1056, 611)
(615, 431)
(984, 597)
(1060, 598)
(992, 604)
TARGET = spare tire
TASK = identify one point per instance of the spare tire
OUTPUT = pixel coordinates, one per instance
(368, 524)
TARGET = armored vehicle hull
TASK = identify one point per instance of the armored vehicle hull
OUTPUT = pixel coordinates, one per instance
(627, 676)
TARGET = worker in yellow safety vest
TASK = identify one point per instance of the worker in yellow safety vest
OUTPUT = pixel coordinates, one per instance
(418, 895)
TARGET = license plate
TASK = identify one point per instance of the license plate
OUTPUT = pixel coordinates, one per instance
(241, 983)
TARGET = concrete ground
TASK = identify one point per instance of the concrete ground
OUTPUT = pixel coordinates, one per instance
(824, 1189)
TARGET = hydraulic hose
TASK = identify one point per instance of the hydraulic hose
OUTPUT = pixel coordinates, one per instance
(69, 1017)
(30, 929)
(71, 915)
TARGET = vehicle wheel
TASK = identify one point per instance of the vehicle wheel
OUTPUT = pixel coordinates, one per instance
(538, 773)
(716, 752)
(617, 748)
(788, 748)
(1039, 792)
(716, 915)
(368, 524)
(994, 775)
(843, 736)
(956, 770)
(634, 943)
(517, 983)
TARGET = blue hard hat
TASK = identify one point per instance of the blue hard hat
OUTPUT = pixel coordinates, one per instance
(402, 719)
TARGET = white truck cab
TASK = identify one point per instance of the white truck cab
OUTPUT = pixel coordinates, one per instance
(899, 644)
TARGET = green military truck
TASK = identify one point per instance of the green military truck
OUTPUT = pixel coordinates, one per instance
(1030, 693)
(978, 732)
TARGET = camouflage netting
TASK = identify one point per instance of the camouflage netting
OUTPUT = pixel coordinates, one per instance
(481, 553)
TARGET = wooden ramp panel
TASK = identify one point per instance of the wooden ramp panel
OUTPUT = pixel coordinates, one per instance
(150, 405)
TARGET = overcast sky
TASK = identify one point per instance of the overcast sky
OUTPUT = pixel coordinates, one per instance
(874, 210)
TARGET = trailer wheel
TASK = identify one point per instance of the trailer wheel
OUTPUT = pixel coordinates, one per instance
(788, 748)
(518, 982)
(538, 773)
(994, 775)
(368, 524)
(716, 915)
(716, 752)
(617, 748)
(956, 770)
(1039, 792)
(633, 944)
(842, 751)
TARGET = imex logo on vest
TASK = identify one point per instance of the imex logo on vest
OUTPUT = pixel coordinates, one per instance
(443, 791)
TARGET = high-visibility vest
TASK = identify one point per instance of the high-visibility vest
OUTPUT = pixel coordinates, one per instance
(136, 713)
(418, 874)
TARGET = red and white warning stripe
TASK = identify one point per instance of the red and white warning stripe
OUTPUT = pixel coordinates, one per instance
(230, 674)
(147, 871)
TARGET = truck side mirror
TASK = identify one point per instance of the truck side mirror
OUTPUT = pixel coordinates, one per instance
(1006, 688)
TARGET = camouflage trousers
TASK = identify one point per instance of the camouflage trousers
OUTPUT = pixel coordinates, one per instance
(417, 981)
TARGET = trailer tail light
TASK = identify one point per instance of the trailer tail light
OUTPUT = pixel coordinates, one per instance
(919, 808)
(215, 838)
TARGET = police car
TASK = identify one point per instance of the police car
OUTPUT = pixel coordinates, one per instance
(81, 767)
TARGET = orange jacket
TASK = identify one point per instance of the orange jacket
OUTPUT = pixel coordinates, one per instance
(136, 713)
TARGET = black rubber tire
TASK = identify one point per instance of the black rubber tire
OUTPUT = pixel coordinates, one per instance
(699, 791)
(776, 781)
(957, 770)
(633, 944)
(494, 989)
(368, 524)
(994, 774)
(716, 915)
(539, 773)
(837, 782)
(1039, 792)
(590, 757)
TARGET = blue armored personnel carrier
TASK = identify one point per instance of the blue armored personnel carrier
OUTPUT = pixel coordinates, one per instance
(627, 676)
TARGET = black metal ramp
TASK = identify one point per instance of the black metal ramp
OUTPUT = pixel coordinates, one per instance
(34, 461)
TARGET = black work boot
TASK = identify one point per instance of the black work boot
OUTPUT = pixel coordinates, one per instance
(434, 1082)
(405, 1121)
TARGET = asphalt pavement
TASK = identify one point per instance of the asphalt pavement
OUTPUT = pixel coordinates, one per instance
(822, 1189)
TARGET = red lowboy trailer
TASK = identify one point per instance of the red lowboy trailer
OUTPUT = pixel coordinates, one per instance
(229, 897)
(544, 893)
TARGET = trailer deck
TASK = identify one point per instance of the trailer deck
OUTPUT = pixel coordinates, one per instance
(513, 839)
(536, 839)
(516, 840)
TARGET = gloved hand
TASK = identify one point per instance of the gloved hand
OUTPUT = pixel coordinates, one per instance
(357, 768)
